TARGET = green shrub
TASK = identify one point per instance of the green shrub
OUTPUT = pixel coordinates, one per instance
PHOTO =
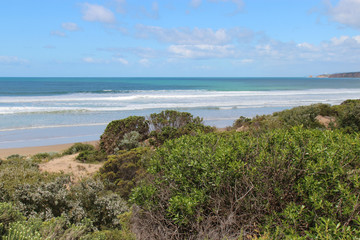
(18, 171)
(41, 157)
(173, 119)
(121, 172)
(112, 139)
(281, 182)
(172, 124)
(78, 147)
(20, 231)
(348, 115)
(130, 140)
(91, 156)
(8, 214)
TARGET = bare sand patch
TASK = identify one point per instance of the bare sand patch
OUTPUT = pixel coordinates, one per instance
(68, 165)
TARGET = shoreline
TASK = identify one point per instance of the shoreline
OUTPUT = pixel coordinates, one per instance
(29, 151)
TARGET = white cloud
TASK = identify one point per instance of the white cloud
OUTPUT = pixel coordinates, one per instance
(202, 51)
(187, 36)
(120, 60)
(346, 12)
(90, 60)
(144, 61)
(97, 13)
(195, 3)
(72, 27)
(58, 33)
(105, 61)
(8, 60)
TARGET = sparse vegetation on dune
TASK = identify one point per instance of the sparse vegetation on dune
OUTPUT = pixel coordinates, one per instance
(281, 176)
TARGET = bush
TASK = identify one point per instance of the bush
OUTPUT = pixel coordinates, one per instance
(173, 119)
(91, 156)
(18, 171)
(285, 183)
(121, 172)
(172, 124)
(8, 214)
(78, 147)
(20, 231)
(112, 139)
(348, 115)
(41, 157)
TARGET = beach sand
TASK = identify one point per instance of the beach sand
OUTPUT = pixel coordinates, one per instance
(29, 151)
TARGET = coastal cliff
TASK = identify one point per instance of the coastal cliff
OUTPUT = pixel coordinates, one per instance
(341, 75)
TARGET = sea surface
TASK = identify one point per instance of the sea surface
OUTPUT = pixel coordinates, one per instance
(46, 111)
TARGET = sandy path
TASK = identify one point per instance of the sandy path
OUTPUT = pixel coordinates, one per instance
(68, 164)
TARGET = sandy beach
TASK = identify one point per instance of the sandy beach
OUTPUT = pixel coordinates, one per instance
(28, 151)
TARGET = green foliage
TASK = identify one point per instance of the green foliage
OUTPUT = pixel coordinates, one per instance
(78, 147)
(173, 119)
(8, 215)
(112, 139)
(86, 199)
(17, 171)
(20, 231)
(348, 115)
(287, 183)
(91, 156)
(121, 172)
(130, 140)
(305, 115)
(172, 124)
(41, 157)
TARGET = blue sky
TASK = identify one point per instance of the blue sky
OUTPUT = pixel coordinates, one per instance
(202, 38)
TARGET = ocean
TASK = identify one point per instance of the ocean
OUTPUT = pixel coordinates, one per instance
(46, 111)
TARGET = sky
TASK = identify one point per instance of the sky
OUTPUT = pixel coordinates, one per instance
(178, 38)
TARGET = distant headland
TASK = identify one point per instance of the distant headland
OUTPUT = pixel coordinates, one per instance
(341, 75)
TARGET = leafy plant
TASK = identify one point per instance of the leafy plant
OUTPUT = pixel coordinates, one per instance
(78, 147)
(278, 182)
(112, 139)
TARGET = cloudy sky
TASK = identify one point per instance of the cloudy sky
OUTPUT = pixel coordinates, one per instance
(202, 38)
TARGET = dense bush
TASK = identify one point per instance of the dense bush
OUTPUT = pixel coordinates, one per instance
(348, 115)
(172, 118)
(8, 214)
(172, 124)
(112, 139)
(305, 115)
(91, 156)
(78, 147)
(283, 183)
(86, 199)
(17, 171)
(121, 172)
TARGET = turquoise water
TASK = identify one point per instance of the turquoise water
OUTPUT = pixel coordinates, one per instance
(44, 111)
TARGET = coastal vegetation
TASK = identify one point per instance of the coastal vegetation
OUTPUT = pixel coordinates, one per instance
(293, 174)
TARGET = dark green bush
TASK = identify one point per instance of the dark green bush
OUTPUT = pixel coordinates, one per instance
(172, 124)
(348, 115)
(173, 119)
(41, 157)
(112, 139)
(121, 172)
(285, 183)
(305, 115)
(87, 199)
(17, 171)
(91, 156)
(8, 214)
(78, 147)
